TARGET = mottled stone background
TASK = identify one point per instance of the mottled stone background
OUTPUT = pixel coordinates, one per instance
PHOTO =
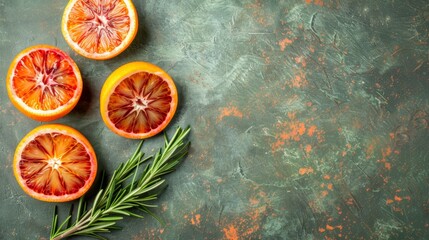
(309, 117)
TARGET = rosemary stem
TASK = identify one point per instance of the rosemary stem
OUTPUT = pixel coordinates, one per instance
(80, 225)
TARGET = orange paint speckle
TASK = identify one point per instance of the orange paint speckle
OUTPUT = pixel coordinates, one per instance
(276, 146)
(330, 186)
(299, 81)
(320, 136)
(305, 170)
(301, 128)
(229, 111)
(311, 130)
(293, 130)
(321, 230)
(231, 233)
(389, 201)
(324, 194)
(245, 225)
(397, 198)
(385, 179)
(285, 42)
(284, 135)
(308, 149)
(266, 57)
(315, 2)
(386, 152)
(370, 151)
(254, 201)
(397, 209)
(326, 177)
(301, 60)
(329, 227)
(332, 228)
(387, 165)
(196, 220)
(258, 14)
(289, 131)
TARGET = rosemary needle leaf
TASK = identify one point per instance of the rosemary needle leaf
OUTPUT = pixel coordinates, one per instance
(70, 214)
(110, 195)
(54, 221)
(65, 222)
(121, 212)
(79, 208)
(95, 204)
(135, 215)
(111, 218)
(151, 187)
(146, 210)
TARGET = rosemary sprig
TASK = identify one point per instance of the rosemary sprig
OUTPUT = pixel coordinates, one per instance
(121, 198)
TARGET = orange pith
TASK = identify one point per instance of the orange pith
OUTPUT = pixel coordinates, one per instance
(44, 83)
(138, 100)
(99, 29)
(55, 163)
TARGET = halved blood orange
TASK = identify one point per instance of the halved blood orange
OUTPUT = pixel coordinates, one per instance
(55, 163)
(138, 100)
(44, 83)
(99, 29)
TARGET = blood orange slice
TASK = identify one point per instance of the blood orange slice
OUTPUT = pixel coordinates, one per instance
(99, 29)
(55, 163)
(138, 100)
(44, 83)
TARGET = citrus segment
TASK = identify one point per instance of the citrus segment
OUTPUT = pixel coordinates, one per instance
(99, 29)
(138, 100)
(55, 163)
(44, 83)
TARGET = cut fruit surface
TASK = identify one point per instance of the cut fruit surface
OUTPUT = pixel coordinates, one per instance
(44, 83)
(99, 29)
(138, 100)
(55, 163)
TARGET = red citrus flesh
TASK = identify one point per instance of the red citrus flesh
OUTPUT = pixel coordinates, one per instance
(55, 163)
(44, 83)
(140, 103)
(99, 29)
(138, 100)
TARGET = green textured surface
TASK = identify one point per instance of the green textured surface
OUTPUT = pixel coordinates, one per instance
(309, 118)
